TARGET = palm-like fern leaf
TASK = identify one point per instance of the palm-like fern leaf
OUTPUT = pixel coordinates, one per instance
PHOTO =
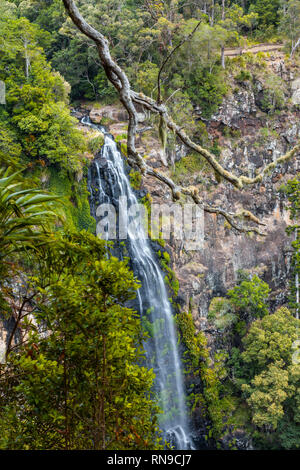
(25, 214)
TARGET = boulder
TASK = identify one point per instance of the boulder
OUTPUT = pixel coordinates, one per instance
(112, 114)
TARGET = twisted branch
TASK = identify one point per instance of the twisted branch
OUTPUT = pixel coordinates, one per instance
(129, 98)
(237, 181)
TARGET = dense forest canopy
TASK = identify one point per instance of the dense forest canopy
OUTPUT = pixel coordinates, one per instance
(73, 374)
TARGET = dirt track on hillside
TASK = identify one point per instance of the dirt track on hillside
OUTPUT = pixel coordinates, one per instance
(253, 49)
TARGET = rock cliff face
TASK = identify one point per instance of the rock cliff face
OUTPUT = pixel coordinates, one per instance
(213, 270)
(249, 139)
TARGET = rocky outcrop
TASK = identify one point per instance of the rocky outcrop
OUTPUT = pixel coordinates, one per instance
(101, 115)
(212, 270)
(107, 113)
(249, 139)
(257, 139)
(296, 91)
(237, 106)
(237, 440)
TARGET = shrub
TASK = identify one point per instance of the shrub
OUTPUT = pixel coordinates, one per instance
(243, 76)
(207, 90)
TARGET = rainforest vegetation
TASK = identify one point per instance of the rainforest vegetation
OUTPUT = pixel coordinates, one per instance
(72, 373)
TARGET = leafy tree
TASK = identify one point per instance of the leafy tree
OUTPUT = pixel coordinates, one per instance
(270, 340)
(232, 315)
(127, 28)
(48, 14)
(146, 78)
(250, 297)
(234, 21)
(27, 215)
(37, 98)
(207, 90)
(272, 378)
(267, 394)
(7, 9)
(267, 11)
(76, 381)
(290, 23)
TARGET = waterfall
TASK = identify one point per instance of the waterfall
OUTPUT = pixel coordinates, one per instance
(107, 183)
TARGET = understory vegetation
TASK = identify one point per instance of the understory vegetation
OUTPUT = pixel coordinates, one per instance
(71, 377)
(73, 374)
(252, 381)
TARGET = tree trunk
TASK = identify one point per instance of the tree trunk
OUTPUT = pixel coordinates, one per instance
(223, 45)
(27, 60)
(212, 13)
(223, 56)
(294, 47)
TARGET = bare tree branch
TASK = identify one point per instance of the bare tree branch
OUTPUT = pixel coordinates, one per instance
(187, 38)
(295, 47)
(237, 181)
(129, 98)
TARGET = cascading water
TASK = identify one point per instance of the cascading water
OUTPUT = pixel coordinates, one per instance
(107, 183)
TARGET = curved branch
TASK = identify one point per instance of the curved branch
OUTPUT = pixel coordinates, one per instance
(129, 98)
(238, 181)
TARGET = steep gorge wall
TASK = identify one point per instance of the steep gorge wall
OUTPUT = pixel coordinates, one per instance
(249, 139)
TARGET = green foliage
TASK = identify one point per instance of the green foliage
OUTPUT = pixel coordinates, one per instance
(189, 165)
(105, 90)
(135, 179)
(10, 148)
(166, 257)
(209, 399)
(292, 190)
(146, 77)
(290, 22)
(216, 150)
(272, 377)
(25, 214)
(267, 12)
(75, 198)
(37, 98)
(195, 344)
(250, 297)
(243, 76)
(221, 312)
(95, 143)
(80, 386)
(170, 278)
(267, 394)
(233, 314)
(270, 340)
(273, 94)
(267, 133)
(231, 133)
(207, 90)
